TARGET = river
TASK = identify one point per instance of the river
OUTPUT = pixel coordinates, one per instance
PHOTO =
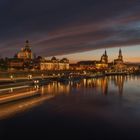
(103, 108)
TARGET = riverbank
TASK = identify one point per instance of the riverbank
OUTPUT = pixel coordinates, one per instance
(13, 85)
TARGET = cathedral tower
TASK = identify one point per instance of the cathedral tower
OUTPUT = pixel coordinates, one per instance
(104, 58)
(120, 57)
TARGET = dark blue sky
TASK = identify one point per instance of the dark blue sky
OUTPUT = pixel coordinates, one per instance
(56, 27)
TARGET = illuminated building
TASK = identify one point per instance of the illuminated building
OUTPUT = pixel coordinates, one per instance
(54, 64)
(64, 64)
(103, 63)
(26, 52)
(22, 59)
(15, 63)
(74, 67)
(104, 58)
(132, 68)
(119, 64)
(92, 65)
(86, 65)
(120, 58)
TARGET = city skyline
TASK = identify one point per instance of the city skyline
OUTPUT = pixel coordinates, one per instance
(130, 54)
(78, 27)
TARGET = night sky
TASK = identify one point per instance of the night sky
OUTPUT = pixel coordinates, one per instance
(60, 27)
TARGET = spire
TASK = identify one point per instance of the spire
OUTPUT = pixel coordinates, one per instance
(105, 53)
(104, 57)
(120, 55)
(27, 43)
(120, 52)
(27, 46)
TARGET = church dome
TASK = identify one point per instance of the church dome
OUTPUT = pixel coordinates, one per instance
(65, 60)
(26, 52)
(53, 58)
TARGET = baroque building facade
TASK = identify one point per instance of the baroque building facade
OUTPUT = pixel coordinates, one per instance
(26, 52)
(119, 65)
(23, 59)
(119, 60)
(103, 63)
(54, 64)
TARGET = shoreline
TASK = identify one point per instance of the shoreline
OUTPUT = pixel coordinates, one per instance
(26, 81)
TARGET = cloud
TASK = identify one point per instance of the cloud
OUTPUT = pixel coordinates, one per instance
(57, 27)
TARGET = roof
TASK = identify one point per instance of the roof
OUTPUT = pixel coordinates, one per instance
(53, 58)
(87, 62)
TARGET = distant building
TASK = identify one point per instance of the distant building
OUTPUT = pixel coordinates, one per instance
(74, 66)
(103, 63)
(15, 63)
(104, 58)
(119, 60)
(23, 59)
(119, 64)
(92, 65)
(54, 64)
(86, 65)
(132, 67)
(64, 64)
(26, 52)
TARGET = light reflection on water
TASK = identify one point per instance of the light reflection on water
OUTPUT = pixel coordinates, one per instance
(126, 87)
(101, 85)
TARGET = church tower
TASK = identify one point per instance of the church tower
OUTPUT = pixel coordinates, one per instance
(105, 53)
(104, 58)
(27, 44)
(120, 57)
(26, 52)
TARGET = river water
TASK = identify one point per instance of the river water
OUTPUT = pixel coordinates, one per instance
(103, 108)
